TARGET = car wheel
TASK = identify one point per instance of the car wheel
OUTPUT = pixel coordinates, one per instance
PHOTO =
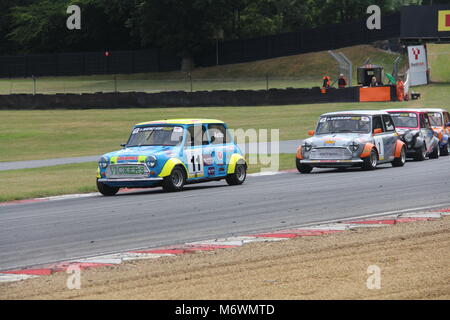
(436, 152)
(445, 151)
(175, 181)
(421, 154)
(303, 168)
(106, 190)
(400, 161)
(239, 175)
(371, 161)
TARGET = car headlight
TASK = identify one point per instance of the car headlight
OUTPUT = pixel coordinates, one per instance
(103, 162)
(354, 146)
(307, 146)
(151, 161)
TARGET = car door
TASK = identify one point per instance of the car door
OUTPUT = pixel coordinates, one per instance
(426, 131)
(389, 137)
(446, 122)
(195, 143)
(379, 138)
(220, 140)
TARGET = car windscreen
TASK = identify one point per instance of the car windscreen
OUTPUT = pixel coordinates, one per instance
(343, 124)
(405, 119)
(435, 119)
(155, 136)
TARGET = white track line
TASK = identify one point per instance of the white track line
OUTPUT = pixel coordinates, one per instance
(330, 225)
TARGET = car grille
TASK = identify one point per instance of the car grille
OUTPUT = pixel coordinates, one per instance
(127, 171)
(330, 154)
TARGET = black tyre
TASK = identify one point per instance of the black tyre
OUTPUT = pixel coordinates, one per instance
(371, 161)
(421, 154)
(436, 152)
(239, 175)
(445, 150)
(175, 181)
(400, 161)
(106, 190)
(303, 168)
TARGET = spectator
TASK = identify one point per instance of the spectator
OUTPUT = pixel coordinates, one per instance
(374, 82)
(326, 82)
(341, 81)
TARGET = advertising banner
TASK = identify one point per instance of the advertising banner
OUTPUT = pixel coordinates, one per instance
(418, 66)
(422, 22)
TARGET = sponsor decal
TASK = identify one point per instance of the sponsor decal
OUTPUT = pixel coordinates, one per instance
(211, 171)
(170, 153)
(416, 52)
(127, 158)
(207, 159)
(407, 115)
(145, 129)
(366, 119)
(221, 169)
(444, 20)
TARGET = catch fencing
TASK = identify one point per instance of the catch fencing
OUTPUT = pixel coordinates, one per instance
(327, 37)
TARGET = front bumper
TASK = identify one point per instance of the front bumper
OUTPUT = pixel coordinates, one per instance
(333, 163)
(132, 182)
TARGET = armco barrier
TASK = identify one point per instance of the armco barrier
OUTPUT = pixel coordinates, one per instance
(178, 99)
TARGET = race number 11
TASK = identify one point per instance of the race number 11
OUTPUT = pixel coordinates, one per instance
(195, 159)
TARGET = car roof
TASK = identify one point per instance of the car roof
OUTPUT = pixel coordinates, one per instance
(356, 112)
(435, 110)
(407, 110)
(180, 121)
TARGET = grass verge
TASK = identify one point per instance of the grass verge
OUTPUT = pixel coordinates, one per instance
(303, 70)
(74, 178)
(45, 134)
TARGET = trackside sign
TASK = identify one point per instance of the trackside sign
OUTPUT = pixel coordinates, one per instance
(418, 66)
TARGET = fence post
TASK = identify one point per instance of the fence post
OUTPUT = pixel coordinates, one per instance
(115, 83)
(190, 79)
(267, 82)
(34, 85)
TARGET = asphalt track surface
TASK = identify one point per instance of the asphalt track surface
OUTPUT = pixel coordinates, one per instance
(43, 232)
(286, 146)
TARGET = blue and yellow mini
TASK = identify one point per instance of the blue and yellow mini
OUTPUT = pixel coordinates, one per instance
(170, 154)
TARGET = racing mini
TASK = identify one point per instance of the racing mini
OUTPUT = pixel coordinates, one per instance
(351, 139)
(171, 153)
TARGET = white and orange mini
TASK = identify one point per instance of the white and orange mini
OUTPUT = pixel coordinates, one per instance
(351, 139)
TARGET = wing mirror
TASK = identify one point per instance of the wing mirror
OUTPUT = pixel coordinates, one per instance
(311, 133)
(377, 131)
(123, 145)
(213, 138)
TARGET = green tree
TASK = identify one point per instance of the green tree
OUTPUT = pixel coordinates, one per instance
(181, 27)
(6, 21)
(40, 26)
